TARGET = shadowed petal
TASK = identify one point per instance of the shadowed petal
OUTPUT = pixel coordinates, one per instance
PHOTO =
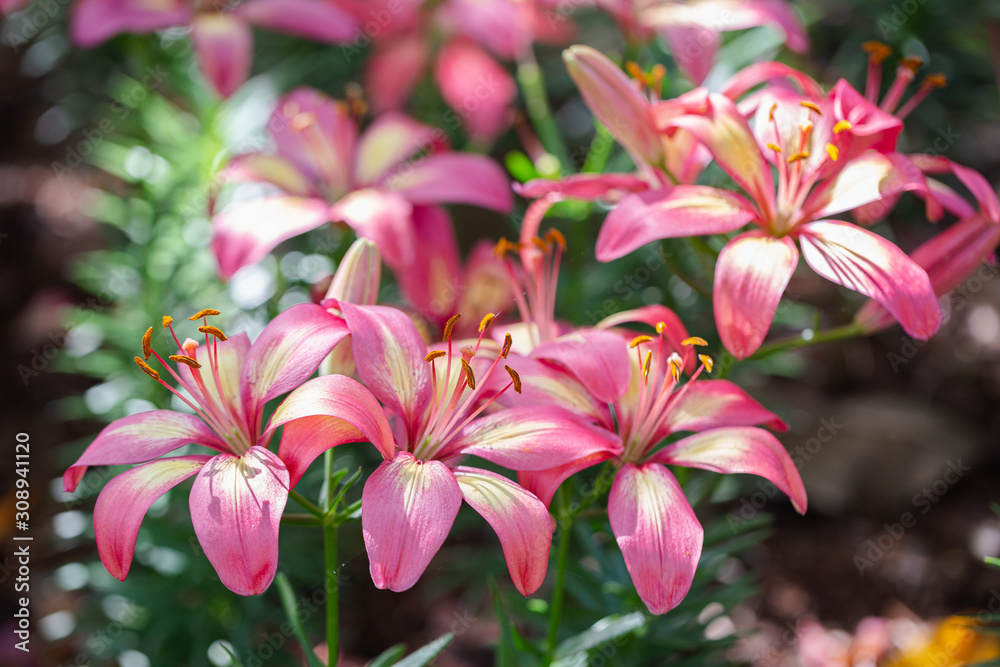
(124, 502)
(408, 508)
(236, 505)
(599, 359)
(224, 45)
(739, 450)
(312, 19)
(454, 178)
(520, 520)
(707, 404)
(476, 87)
(140, 438)
(658, 533)
(545, 483)
(433, 281)
(751, 274)
(393, 69)
(384, 217)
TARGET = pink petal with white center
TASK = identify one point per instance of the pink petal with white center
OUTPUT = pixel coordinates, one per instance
(533, 438)
(454, 178)
(616, 102)
(319, 136)
(140, 438)
(545, 383)
(124, 502)
(658, 533)
(971, 179)
(230, 356)
(740, 449)
(949, 200)
(708, 404)
(871, 127)
(599, 359)
(224, 45)
(236, 505)
(358, 276)
(384, 217)
(407, 509)
(519, 519)
(389, 353)
(313, 19)
(278, 171)
(477, 88)
(723, 130)
(684, 210)
(326, 412)
(393, 70)
(389, 141)
(674, 330)
(751, 274)
(287, 352)
(863, 180)
(589, 187)
(432, 281)
(246, 233)
(867, 263)
(94, 21)
(545, 483)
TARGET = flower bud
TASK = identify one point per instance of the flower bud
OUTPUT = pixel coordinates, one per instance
(357, 278)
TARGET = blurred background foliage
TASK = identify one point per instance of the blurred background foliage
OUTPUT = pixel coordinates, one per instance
(109, 163)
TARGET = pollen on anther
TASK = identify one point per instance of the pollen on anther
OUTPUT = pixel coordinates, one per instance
(694, 340)
(647, 362)
(676, 363)
(147, 348)
(184, 359)
(661, 327)
(832, 151)
(938, 80)
(215, 331)
(770, 116)
(877, 50)
(205, 312)
(435, 354)
(841, 126)
(556, 237)
(912, 63)
(507, 342)
(485, 322)
(639, 340)
(144, 367)
(515, 378)
(707, 361)
(470, 378)
(450, 325)
(540, 243)
(774, 147)
(801, 155)
(167, 321)
(812, 106)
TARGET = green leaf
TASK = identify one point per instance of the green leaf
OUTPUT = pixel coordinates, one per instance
(288, 603)
(505, 650)
(426, 653)
(234, 661)
(604, 630)
(389, 657)
(990, 560)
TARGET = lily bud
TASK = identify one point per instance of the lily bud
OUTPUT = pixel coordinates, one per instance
(616, 102)
(358, 276)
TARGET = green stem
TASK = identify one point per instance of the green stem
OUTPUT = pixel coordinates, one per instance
(562, 560)
(300, 520)
(529, 77)
(332, 565)
(600, 149)
(838, 333)
(291, 612)
(309, 507)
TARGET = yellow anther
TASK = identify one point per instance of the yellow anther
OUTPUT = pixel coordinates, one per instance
(877, 50)
(515, 378)
(801, 155)
(938, 80)
(207, 312)
(912, 63)
(832, 151)
(449, 325)
(841, 126)
(147, 348)
(470, 379)
(707, 361)
(184, 359)
(507, 342)
(435, 354)
(661, 327)
(694, 340)
(167, 321)
(812, 106)
(485, 322)
(639, 340)
(540, 244)
(675, 364)
(647, 362)
(146, 369)
(504, 246)
(555, 237)
(774, 107)
(774, 147)
(634, 70)
(215, 331)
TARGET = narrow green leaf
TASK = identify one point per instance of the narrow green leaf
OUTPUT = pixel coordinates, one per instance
(604, 630)
(389, 657)
(288, 603)
(423, 655)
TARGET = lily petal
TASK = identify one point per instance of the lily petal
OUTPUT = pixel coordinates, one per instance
(236, 505)
(124, 502)
(751, 274)
(323, 413)
(224, 45)
(384, 217)
(393, 70)
(867, 263)
(94, 21)
(476, 87)
(140, 438)
(246, 233)
(545, 483)
(454, 178)
(588, 187)
(708, 404)
(312, 19)
(741, 449)
(684, 210)
(388, 141)
(408, 508)
(520, 520)
(599, 359)
(432, 282)
(389, 354)
(658, 533)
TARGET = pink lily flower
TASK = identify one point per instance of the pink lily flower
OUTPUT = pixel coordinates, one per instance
(825, 165)
(656, 529)
(437, 398)
(356, 281)
(693, 30)
(379, 184)
(239, 492)
(221, 35)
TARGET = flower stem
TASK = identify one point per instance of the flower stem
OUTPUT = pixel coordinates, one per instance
(562, 560)
(837, 333)
(332, 564)
(529, 77)
(294, 620)
(301, 500)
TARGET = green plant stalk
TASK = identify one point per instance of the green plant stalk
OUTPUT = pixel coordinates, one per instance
(559, 589)
(331, 569)
(288, 603)
(529, 77)
(301, 500)
(838, 333)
